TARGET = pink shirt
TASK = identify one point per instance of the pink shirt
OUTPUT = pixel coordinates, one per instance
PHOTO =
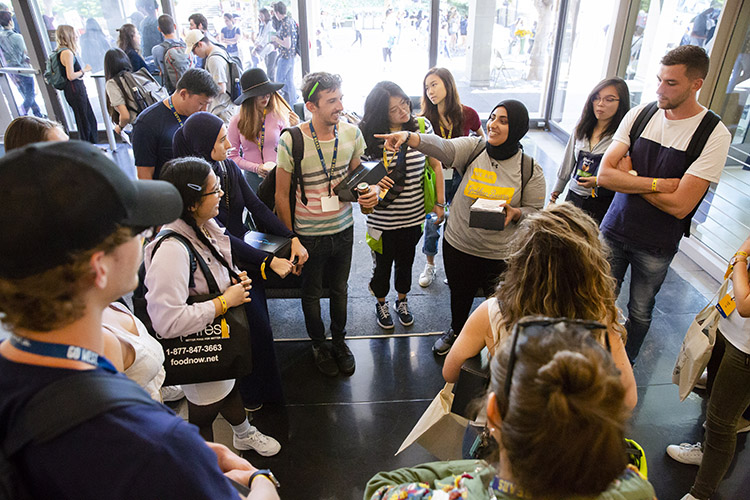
(246, 153)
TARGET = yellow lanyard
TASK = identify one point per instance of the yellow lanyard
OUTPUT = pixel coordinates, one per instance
(386, 160)
(442, 132)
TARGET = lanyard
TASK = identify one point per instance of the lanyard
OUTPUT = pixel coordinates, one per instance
(174, 111)
(262, 138)
(442, 132)
(386, 160)
(320, 153)
(62, 351)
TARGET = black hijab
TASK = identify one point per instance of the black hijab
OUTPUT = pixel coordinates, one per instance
(518, 125)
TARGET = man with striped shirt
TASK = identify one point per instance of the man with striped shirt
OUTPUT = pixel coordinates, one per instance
(324, 225)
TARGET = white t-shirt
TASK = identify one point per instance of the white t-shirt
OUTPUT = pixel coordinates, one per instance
(222, 105)
(677, 134)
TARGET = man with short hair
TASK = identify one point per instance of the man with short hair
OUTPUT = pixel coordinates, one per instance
(658, 186)
(175, 67)
(325, 227)
(60, 267)
(286, 41)
(149, 28)
(198, 22)
(216, 62)
(155, 126)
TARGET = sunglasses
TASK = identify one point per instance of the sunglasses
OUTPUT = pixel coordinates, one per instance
(536, 326)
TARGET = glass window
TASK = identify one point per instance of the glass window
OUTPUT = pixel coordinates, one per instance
(583, 57)
(502, 49)
(367, 43)
(660, 27)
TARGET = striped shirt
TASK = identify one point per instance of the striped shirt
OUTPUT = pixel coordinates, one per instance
(407, 210)
(310, 220)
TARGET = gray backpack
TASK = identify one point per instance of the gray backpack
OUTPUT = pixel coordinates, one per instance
(176, 63)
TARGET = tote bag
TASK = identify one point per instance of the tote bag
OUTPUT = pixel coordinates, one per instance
(697, 346)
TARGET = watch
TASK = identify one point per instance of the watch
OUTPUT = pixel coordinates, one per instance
(263, 472)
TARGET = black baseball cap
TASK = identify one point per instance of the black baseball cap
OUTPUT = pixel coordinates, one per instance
(60, 198)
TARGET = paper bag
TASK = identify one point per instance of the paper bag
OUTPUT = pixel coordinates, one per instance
(697, 345)
(439, 431)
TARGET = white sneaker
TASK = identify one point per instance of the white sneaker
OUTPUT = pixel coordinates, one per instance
(427, 276)
(172, 393)
(255, 440)
(686, 453)
(688, 497)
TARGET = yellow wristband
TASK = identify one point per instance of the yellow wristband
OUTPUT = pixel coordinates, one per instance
(741, 253)
(224, 307)
(653, 185)
(263, 270)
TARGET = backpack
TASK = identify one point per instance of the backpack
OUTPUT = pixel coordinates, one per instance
(176, 63)
(139, 89)
(50, 414)
(234, 89)
(55, 73)
(267, 189)
(695, 147)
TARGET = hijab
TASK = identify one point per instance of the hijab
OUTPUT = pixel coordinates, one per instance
(197, 136)
(518, 125)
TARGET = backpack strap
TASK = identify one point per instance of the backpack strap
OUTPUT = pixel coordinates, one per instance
(163, 235)
(125, 94)
(50, 413)
(640, 122)
(527, 170)
(298, 152)
(229, 67)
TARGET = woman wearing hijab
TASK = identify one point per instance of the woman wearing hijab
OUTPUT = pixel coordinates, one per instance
(495, 170)
(204, 135)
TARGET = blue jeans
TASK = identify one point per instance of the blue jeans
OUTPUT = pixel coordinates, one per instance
(26, 88)
(648, 268)
(432, 231)
(332, 255)
(285, 75)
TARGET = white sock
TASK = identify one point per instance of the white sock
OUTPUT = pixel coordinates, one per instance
(243, 429)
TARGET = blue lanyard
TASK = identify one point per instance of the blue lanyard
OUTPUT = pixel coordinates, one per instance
(62, 351)
(174, 111)
(320, 153)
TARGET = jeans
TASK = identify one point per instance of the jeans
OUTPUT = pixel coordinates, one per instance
(332, 255)
(25, 86)
(730, 396)
(285, 75)
(648, 268)
(466, 274)
(432, 231)
(399, 246)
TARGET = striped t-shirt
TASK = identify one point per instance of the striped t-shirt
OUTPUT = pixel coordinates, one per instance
(407, 210)
(310, 220)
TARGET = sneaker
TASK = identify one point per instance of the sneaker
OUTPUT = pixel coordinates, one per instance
(384, 317)
(171, 393)
(344, 357)
(405, 317)
(255, 440)
(686, 453)
(444, 343)
(702, 381)
(688, 497)
(324, 360)
(427, 276)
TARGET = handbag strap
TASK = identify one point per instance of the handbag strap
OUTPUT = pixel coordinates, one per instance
(213, 287)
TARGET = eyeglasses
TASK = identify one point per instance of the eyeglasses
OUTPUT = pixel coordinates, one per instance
(606, 100)
(217, 190)
(535, 326)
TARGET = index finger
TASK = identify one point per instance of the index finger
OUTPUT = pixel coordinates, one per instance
(382, 136)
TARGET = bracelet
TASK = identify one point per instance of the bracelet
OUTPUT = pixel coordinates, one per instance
(741, 254)
(263, 268)
(408, 137)
(224, 307)
(596, 180)
(653, 185)
(441, 205)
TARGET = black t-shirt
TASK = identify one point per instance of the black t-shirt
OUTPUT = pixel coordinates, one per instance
(153, 131)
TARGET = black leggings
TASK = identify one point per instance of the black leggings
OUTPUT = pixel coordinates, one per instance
(203, 416)
(466, 274)
(399, 246)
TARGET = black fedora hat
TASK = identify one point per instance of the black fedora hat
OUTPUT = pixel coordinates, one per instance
(255, 82)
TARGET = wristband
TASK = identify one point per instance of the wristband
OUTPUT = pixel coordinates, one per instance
(263, 268)
(653, 185)
(265, 473)
(408, 137)
(741, 254)
(441, 205)
(224, 307)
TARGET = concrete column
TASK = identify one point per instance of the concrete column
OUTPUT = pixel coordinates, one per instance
(479, 47)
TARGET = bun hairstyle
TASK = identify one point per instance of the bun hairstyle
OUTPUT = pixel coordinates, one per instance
(563, 424)
(558, 268)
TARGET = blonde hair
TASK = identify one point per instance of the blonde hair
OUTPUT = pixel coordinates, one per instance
(66, 36)
(251, 121)
(558, 268)
(54, 298)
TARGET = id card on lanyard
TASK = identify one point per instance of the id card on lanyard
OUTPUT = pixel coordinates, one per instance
(62, 351)
(328, 203)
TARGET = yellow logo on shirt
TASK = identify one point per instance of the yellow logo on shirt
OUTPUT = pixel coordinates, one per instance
(480, 185)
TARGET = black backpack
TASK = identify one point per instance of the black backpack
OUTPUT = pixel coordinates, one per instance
(50, 413)
(267, 189)
(234, 89)
(695, 147)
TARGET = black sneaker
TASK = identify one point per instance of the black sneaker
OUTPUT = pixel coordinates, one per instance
(444, 343)
(405, 317)
(344, 357)
(384, 317)
(324, 360)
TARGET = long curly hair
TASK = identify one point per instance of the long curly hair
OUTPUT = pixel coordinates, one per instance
(558, 268)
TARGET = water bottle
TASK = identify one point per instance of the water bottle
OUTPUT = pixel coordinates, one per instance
(432, 218)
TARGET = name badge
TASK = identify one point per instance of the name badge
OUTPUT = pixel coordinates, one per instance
(329, 203)
(726, 305)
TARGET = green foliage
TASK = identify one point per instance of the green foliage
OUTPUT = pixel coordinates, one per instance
(86, 8)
